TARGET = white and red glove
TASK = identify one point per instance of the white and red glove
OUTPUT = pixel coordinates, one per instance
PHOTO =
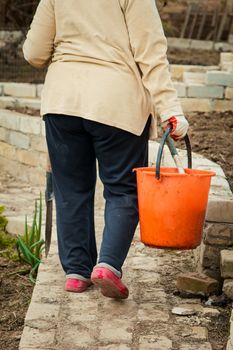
(179, 126)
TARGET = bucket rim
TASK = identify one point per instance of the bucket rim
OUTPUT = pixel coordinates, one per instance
(188, 172)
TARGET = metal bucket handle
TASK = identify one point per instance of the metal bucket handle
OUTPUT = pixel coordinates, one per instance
(171, 145)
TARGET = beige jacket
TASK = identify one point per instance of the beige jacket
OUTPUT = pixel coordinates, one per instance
(106, 61)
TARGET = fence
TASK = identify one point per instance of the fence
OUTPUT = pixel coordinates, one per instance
(13, 67)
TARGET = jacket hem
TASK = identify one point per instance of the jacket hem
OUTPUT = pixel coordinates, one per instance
(95, 119)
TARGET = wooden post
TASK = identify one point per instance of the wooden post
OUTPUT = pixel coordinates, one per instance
(224, 19)
(200, 30)
(3, 8)
(188, 13)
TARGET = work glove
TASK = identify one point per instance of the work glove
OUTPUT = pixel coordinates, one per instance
(179, 126)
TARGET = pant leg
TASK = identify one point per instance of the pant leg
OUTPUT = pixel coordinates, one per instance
(74, 176)
(118, 152)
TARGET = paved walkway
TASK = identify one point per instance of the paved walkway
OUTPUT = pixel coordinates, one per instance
(60, 320)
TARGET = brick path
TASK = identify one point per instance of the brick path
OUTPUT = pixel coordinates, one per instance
(60, 320)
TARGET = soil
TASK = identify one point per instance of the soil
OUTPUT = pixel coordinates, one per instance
(15, 296)
(211, 135)
(193, 57)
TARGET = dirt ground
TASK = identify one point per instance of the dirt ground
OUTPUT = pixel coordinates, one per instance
(15, 296)
(193, 57)
(211, 135)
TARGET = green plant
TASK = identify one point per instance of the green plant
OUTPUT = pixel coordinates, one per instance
(31, 245)
(3, 220)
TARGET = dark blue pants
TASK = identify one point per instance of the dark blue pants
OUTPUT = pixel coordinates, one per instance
(74, 144)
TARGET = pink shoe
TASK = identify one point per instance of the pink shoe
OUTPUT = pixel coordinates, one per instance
(75, 285)
(110, 285)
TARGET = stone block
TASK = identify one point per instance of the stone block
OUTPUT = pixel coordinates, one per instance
(204, 91)
(180, 88)
(194, 78)
(9, 120)
(200, 333)
(8, 101)
(43, 129)
(37, 177)
(28, 157)
(41, 311)
(222, 105)
(228, 288)
(230, 39)
(210, 312)
(229, 345)
(38, 143)
(209, 256)
(179, 43)
(218, 234)
(220, 210)
(19, 140)
(3, 134)
(43, 160)
(213, 271)
(201, 346)
(15, 226)
(15, 169)
(196, 105)
(39, 88)
(219, 78)
(226, 263)
(229, 93)
(155, 342)
(115, 347)
(202, 44)
(84, 339)
(148, 311)
(1, 89)
(227, 67)
(7, 151)
(30, 125)
(19, 90)
(221, 182)
(34, 338)
(33, 103)
(231, 327)
(119, 331)
(226, 57)
(223, 47)
(177, 71)
(197, 283)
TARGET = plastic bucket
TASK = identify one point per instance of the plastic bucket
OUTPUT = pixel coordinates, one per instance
(172, 208)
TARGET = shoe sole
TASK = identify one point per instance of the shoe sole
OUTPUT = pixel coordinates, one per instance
(75, 290)
(108, 288)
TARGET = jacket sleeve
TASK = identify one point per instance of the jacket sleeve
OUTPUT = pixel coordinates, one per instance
(39, 44)
(149, 47)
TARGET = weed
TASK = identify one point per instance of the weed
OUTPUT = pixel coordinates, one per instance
(31, 245)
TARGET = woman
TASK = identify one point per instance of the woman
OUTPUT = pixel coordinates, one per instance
(107, 80)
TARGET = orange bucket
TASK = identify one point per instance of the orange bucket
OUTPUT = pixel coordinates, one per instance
(172, 208)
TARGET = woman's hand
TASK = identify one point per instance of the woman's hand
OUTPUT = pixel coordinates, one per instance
(179, 126)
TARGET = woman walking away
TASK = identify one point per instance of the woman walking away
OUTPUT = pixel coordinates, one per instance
(107, 80)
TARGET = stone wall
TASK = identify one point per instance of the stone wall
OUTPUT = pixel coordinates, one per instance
(22, 145)
(182, 43)
(200, 88)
